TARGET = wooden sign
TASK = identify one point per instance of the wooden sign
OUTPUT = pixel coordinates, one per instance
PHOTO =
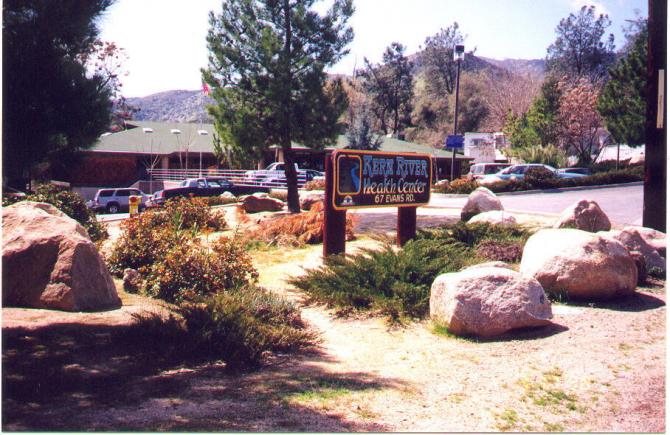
(365, 179)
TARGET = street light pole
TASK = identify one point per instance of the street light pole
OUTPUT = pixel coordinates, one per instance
(459, 52)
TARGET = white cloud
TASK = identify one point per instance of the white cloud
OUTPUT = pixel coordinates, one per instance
(598, 5)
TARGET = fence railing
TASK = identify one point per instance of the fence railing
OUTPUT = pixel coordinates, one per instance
(240, 177)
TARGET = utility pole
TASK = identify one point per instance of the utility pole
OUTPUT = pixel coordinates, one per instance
(459, 53)
(655, 165)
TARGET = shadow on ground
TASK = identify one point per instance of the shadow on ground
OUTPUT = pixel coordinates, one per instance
(636, 302)
(73, 377)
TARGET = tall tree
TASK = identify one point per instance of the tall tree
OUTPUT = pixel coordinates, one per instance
(360, 132)
(437, 60)
(579, 49)
(390, 87)
(51, 102)
(623, 101)
(266, 75)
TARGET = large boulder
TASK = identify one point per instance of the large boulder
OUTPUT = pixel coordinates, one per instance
(654, 238)
(488, 301)
(308, 199)
(579, 264)
(496, 217)
(632, 240)
(259, 202)
(584, 215)
(48, 261)
(479, 201)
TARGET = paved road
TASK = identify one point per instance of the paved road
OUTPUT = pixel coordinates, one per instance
(623, 205)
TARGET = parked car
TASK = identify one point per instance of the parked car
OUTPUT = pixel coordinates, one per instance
(274, 175)
(583, 171)
(115, 200)
(200, 187)
(516, 172)
(479, 170)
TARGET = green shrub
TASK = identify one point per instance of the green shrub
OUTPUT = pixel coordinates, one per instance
(238, 327)
(143, 241)
(472, 235)
(459, 185)
(192, 213)
(241, 326)
(547, 155)
(540, 177)
(70, 203)
(394, 282)
(189, 270)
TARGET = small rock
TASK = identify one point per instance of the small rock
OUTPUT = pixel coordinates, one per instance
(495, 217)
(308, 199)
(228, 195)
(479, 201)
(654, 238)
(259, 202)
(584, 215)
(488, 301)
(632, 240)
(641, 267)
(132, 280)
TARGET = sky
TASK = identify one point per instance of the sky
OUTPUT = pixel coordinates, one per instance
(165, 42)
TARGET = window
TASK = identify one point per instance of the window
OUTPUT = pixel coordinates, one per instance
(123, 192)
(201, 184)
(135, 192)
(105, 193)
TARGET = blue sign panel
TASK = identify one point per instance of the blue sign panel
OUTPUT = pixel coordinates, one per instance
(454, 141)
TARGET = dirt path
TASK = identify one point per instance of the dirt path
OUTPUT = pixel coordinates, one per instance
(599, 367)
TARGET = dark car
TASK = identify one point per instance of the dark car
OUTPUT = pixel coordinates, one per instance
(202, 187)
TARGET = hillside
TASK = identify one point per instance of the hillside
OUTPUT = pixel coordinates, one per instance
(189, 106)
(172, 106)
(534, 67)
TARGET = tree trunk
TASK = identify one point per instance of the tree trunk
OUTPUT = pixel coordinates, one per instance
(289, 166)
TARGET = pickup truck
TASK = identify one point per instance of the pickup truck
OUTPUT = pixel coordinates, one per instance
(209, 186)
(275, 176)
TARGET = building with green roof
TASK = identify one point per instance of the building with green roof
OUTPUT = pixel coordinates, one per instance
(124, 157)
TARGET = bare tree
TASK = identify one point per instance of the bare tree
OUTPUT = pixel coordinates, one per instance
(505, 92)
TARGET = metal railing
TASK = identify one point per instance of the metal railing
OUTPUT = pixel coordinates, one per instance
(240, 177)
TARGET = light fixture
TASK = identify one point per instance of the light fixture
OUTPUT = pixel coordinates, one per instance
(459, 53)
(147, 129)
(202, 132)
(175, 131)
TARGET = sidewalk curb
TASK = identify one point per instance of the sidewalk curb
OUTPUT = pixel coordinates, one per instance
(536, 191)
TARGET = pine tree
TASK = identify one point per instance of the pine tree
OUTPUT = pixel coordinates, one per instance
(579, 49)
(51, 104)
(623, 102)
(390, 87)
(267, 76)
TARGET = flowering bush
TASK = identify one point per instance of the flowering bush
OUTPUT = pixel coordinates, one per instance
(189, 270)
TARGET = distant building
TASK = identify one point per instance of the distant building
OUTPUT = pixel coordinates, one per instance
(485, 147)
(122, 158)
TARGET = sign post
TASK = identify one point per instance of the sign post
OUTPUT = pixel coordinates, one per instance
(454, 142)
(370, 179)
(334, 221)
